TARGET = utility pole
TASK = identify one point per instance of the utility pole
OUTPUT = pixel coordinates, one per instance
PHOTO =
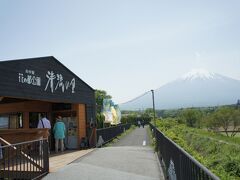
(154, 118)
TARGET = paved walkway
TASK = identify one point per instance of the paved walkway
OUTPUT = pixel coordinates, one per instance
(139, 137)
(129, 159)
(58, 161)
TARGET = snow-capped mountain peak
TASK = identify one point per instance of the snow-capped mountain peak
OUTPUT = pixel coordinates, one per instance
(198, 88)
(198, 74)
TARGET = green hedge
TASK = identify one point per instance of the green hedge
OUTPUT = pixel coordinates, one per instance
(217, 152)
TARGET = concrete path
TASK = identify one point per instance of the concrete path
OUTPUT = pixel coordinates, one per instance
(139, 137)
(129, 159)
(60, 160)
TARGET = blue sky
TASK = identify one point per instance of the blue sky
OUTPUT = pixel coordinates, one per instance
(126, 47)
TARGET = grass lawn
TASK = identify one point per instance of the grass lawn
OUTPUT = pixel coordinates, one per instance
(237, 135)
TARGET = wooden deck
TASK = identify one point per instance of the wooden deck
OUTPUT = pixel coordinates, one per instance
(58, 161)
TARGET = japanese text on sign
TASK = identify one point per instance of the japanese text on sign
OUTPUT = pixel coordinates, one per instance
(29, 77)
(56, 81)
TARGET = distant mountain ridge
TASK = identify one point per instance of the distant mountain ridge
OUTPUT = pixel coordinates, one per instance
(198, 88)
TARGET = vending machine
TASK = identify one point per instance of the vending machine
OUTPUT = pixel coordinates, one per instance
(71, 140)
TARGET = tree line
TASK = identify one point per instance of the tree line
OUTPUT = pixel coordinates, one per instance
(226, 119)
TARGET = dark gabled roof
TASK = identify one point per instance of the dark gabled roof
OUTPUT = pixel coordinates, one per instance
(47, 58)
(28, 79)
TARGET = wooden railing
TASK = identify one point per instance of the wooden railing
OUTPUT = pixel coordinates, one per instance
(26, 160)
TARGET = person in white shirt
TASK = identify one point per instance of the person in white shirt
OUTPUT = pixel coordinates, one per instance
(43, 123)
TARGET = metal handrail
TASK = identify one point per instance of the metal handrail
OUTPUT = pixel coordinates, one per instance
(108, 134)
(21, 143)
(207, 171)
(113, 126)
(197, 163)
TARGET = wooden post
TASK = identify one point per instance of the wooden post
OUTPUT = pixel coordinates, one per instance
(81, 122)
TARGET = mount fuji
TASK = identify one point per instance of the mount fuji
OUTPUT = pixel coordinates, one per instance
(197, 88)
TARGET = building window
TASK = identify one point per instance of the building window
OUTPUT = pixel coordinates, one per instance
(34, 117)
(4, 122)
(11, 121)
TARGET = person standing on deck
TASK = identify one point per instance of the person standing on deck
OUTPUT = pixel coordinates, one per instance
(59, 133)
(43, 123)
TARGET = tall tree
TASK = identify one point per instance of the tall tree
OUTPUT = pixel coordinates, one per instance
(100, 95)
(235, 122)
(192, 117)
(224, 117)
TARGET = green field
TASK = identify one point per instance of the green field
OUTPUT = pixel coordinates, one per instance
(237, 135)
(219, 153)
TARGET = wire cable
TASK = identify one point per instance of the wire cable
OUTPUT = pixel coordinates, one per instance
(136, 98)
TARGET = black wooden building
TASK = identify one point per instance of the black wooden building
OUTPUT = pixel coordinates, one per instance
(32, 86)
